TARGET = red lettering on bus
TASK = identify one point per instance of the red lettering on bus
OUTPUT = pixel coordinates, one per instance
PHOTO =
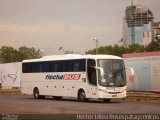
(72, 76)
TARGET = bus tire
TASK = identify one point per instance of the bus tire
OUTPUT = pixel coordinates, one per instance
(106, 100)
(36, 94)
(82, 96)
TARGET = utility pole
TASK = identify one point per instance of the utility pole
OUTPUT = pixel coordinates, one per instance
(96, 40)
(132, 25)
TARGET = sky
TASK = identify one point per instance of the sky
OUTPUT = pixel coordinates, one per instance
(72, 24)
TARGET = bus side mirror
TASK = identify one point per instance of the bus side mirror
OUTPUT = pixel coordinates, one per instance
(132, 73)
(101, 70)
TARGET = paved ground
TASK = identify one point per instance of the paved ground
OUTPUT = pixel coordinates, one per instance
(25, 107)
(24, 104)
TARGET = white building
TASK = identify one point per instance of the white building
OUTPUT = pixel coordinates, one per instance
(150, 35)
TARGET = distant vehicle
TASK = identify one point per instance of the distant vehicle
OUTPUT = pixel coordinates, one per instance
(82, 76)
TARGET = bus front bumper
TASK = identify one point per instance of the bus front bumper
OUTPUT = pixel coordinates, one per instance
(103, 95)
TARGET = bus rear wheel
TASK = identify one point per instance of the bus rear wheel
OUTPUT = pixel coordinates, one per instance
(82, 96)
(36, 94)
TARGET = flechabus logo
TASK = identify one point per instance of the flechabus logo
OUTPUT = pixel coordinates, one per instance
(63, 77)
(72, 76)
(54, 77)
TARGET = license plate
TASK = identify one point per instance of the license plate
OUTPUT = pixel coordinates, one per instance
(114, 95)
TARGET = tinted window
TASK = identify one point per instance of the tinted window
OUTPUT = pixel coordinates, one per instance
(24, 67)
(31, 67)
(78, 65)
(91, 71)
(54, 66)
(66, 66)
(46, 66)
(35, 67)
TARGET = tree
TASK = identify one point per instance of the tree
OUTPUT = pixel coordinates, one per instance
(135, 48)
(118, 50)
(154, 45)
(9, 54)
(29, 53)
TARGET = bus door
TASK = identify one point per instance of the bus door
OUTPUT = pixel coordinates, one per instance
(92, 78)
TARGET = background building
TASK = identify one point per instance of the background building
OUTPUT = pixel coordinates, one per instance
(150, 35)
(137, 20)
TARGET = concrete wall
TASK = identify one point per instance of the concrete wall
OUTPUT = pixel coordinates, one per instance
(10, 75)
(147, 69)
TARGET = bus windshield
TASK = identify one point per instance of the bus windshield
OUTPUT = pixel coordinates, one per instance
(114, 73)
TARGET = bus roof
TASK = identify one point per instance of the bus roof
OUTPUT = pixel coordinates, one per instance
(72, 56)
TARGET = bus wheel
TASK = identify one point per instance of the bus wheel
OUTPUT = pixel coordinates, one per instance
(106, 100)
(82, 96)
(36, 93)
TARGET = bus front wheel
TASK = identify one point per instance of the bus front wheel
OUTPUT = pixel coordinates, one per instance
(82, 96)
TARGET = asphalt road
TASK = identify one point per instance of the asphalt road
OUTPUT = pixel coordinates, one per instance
(25, 104)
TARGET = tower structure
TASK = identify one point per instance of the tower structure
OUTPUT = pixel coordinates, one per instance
(137, 20)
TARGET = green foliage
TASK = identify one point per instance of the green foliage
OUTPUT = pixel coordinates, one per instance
(154, 45)
(136, 48)
(29, 53)
(119, 50)
(9, 54)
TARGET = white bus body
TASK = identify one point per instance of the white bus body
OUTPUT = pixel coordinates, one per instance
(81, 76)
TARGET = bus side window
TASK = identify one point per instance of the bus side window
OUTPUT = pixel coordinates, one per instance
(55, 66)
(78, 65)
(36, 67)
(29, 67)
(92, 77)
(45, 67)
(66, 66)
(82, 64)
(24, 68)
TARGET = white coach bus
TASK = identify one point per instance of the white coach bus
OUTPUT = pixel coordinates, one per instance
(82, 76)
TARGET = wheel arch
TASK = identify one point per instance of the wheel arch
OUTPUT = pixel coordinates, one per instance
(36, 88)
(79, 90)
(82, 97)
